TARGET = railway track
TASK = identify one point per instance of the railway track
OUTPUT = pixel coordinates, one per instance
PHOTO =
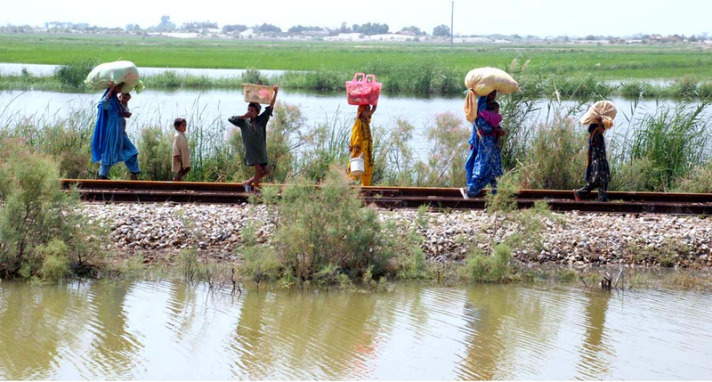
(394, 197)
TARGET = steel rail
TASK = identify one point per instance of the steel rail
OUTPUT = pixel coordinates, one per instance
(394, 197)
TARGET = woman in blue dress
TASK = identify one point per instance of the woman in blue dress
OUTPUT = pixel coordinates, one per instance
(110, 144)
(484, 164)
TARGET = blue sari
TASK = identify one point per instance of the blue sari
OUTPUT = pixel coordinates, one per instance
(110, 144)
(484, 164)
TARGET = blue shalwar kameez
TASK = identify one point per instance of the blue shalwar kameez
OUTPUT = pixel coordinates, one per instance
(484, 164)
(110, 144)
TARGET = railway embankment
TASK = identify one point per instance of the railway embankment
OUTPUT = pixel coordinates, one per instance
(159, 231)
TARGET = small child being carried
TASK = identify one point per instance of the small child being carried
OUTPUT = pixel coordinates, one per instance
(491, 115)
(124, 98)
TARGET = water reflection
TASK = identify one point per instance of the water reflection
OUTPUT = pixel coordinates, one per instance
(301, 336)
(596, 352)
(38, 325)
(113, 347)
(509, 332)
(169, 330)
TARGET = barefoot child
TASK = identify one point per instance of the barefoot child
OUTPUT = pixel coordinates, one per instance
(181, 151)
(254, 137)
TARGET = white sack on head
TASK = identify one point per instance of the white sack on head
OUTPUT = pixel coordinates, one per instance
(601, 112)
(484, 80)
(118, 72)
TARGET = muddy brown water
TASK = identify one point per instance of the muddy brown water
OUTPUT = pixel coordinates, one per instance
(170, 330)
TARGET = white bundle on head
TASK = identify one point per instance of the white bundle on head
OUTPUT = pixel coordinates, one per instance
(601, 112)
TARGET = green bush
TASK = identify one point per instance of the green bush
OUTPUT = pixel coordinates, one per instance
(322, 80)
(281, 147)
(56, 259)
(636, 90)
(636, 175)
(167, 79)
(392, 155)
(674, 140)
(324, 146)
(497, 264)
(405, 251)
(41, 234)
(586, 87)
(155, 149)
(504, 200)
(251, 76)
(685, 87)
(697, 180)
(446, 160)
(67, 141)
(72, 76)
(556, 158)
(705, 90)
(260, 264)
(327, 228)
(491, 269)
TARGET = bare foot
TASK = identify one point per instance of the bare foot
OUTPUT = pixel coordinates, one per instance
(463, 192)
(246, 185)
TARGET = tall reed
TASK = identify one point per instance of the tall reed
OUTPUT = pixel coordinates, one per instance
(673, 140)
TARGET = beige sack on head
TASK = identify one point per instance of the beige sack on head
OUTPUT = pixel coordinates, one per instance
(117, 72)
(601, 112)
(484, 80)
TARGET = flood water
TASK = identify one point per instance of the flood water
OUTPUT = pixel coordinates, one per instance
(169, 330)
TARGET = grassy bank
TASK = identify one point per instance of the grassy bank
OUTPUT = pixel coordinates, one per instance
(403, 68)
(418, 79)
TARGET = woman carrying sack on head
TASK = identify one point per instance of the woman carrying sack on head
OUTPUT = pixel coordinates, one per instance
(110, 144)
(361, 143)
(599, 118)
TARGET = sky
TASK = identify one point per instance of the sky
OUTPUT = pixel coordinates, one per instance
(575, 18)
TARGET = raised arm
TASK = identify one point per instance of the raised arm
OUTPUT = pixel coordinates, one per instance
(274, 97)
(113, 89)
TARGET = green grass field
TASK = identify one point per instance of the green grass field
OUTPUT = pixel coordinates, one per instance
(604, 62)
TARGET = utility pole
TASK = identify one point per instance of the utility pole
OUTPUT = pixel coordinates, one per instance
(452, 17)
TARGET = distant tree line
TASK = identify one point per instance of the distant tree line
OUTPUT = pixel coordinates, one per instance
(443, 31)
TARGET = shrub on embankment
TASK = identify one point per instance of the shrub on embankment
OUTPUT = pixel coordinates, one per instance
(324, 235)
(41, 234)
